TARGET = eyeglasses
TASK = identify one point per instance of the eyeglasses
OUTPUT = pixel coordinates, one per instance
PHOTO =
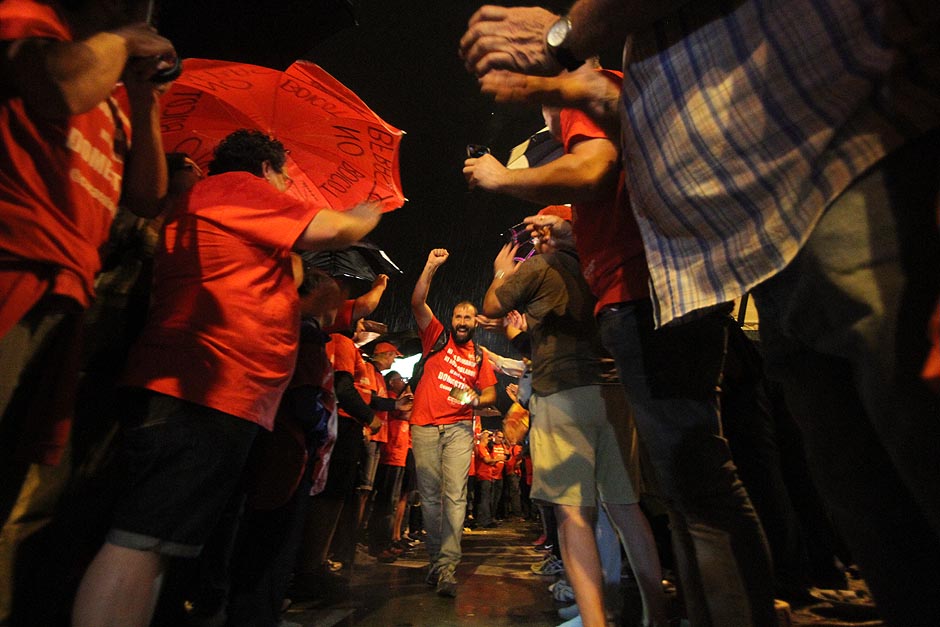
(519, 234)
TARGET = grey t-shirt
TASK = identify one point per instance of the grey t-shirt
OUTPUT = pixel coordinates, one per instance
(559, 308)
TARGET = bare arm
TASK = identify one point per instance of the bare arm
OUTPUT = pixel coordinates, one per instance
(514, 38)
(331, 229)
(419, 297)
(487, 396)
(145, 174)
(503, 266)
(57, 79)
(368, 302)
(588, 172)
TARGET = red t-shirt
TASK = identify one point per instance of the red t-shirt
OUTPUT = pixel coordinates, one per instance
(513, 466)
(453, 366)
(225, 316)
(60, 182)
(607, 236)
(377, 385)
(394, 452)
(345, 356)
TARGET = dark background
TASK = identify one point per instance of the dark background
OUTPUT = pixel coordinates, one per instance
(401, 59)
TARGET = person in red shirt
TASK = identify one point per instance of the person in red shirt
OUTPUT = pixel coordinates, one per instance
(66, 162)
(393, 454)
(210, 366)
(453, 383)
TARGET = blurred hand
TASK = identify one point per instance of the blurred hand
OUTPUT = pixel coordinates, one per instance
(380, 281)
(508, 38)
(375, 425)
(512, 391)
(551, 230)
(496, 325)
(505, 261)
(516, 320)
(595, 93)
(405, 402)
(486, 172)
(144, 41)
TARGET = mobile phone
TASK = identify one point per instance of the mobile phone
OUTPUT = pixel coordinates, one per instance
(461, 395)
(475, 151)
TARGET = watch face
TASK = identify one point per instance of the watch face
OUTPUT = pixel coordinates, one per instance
(557, 33)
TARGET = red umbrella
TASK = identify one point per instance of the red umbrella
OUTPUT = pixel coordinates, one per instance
(341, 152)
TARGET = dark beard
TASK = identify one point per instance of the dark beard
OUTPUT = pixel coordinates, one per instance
(460, 342)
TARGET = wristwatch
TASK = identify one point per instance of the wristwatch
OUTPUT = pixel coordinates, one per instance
(555, 44)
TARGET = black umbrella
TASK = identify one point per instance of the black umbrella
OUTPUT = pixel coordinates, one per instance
(539, 149)
(357, 265)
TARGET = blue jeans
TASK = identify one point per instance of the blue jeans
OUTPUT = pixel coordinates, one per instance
(442, 460)
(671, 378)
(843, 329)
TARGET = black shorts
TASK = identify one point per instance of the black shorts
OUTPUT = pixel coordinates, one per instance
(181, 462)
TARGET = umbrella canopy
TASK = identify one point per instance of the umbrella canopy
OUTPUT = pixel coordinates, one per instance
(539, 149)
(340, 152)
(357, 265)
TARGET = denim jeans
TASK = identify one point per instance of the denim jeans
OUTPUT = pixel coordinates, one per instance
(442, 460)
(844, 330)
(485, 511)
(671, 378)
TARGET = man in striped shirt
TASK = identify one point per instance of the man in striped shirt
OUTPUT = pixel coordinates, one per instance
(790, 149)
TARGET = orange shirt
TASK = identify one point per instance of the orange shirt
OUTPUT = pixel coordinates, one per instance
(377, 385)
(60, 182)
(453, 366)
(225, 316)
(394, 451)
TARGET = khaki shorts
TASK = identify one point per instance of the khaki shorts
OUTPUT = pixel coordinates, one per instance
(583, 442)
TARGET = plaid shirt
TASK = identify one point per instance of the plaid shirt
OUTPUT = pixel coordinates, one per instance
(744, 120)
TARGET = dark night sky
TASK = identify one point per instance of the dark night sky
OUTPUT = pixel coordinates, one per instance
(401, 59)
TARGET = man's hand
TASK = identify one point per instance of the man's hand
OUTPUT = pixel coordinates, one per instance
(516, 320)
(595, 93)
(142, 40)
(436, 258)
(509, 39)
(486, 172)
(380, 282)
(375, 425)
(505, 262)
(512, 391)
(405, 402)
(553, 230)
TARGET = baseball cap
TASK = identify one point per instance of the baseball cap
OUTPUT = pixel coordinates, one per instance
(386, 347)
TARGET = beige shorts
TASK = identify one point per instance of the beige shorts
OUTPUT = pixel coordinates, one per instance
(583, 442)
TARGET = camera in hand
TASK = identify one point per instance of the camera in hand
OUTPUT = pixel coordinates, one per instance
(475, 151)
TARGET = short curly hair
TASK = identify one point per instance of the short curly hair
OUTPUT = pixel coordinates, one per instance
(246, 151)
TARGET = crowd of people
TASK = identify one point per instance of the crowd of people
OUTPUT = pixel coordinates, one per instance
(195, 418)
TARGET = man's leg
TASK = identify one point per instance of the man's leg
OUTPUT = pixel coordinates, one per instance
(455, 465)
(671, 377)
(582, 563)
(426, 444)
(843, 329)
(120, 588)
